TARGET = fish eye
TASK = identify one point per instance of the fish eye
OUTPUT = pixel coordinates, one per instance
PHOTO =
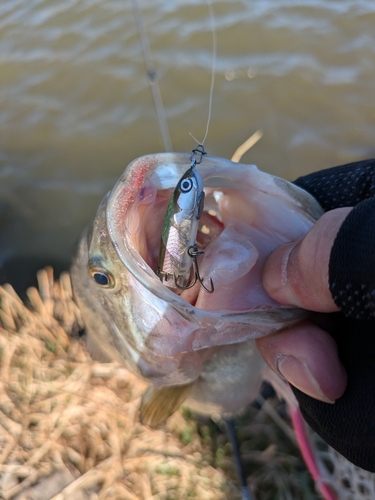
(186, 185)
(102, 277)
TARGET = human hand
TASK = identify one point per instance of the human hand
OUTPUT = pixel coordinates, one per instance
(297, 274)
(332, 268)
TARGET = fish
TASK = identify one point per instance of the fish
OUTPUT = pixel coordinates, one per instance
(194, 348)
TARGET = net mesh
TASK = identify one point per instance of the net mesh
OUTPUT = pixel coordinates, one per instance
(350, 482)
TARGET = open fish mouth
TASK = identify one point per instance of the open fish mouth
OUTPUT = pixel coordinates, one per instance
(247, 214)
(166, 336)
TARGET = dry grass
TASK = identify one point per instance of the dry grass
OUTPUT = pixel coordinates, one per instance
(69, 426)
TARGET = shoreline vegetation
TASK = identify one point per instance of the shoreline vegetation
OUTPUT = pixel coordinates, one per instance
(69, 426)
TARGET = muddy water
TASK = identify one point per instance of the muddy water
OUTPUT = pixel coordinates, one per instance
(75, 106)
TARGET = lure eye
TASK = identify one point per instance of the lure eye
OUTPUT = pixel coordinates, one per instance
(102, 277)
(186, 185)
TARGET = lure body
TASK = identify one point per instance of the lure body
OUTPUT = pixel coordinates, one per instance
(180, 231)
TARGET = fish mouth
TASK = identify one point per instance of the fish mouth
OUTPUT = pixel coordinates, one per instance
(228, 259)
(247, 214)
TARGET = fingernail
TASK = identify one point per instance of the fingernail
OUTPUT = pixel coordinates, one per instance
(275, 271)
(299, 374)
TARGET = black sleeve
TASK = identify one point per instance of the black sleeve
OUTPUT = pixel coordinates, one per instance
(349, 424)
(352, 262)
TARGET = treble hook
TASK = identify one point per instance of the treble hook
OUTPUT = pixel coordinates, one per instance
(193, 252)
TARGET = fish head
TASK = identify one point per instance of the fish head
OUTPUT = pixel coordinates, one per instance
(161, 335)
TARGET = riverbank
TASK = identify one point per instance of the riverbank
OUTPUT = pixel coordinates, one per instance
(70, 425)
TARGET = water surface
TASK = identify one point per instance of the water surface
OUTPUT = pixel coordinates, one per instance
(75, 106)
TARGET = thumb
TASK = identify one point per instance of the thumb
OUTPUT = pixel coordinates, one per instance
(297, 273)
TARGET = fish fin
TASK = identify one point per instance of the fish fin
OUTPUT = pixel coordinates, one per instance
(159, 404)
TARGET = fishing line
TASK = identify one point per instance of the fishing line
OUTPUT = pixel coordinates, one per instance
(152, 78)
(213, 71)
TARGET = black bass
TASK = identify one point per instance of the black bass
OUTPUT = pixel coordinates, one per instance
(191, 345)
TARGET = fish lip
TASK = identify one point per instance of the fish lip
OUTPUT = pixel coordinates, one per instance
(136, 173)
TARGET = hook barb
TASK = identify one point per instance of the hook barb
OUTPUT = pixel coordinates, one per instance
(193, 253)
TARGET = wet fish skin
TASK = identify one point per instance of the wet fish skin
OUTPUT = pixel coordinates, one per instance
(97, 308)
(152, 331)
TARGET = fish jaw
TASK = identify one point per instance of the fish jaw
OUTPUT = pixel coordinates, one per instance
(160, 173)
(229, 183)
(161, 336)
(120, 321)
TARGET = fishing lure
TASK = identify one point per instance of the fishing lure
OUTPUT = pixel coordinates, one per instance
(178, 250)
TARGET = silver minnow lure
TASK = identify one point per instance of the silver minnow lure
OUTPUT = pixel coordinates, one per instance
(178, 251)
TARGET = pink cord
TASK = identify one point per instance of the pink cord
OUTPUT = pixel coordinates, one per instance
(308, 454)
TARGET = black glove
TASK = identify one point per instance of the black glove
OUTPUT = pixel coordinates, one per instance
(349, 424)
